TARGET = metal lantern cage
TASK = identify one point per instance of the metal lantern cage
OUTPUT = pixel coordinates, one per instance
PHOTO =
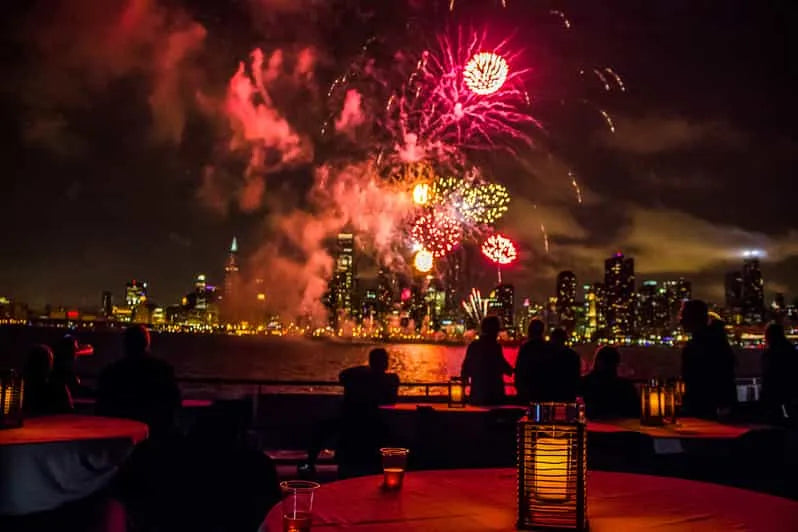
(552, 468)
(457, 392)
(10, 399)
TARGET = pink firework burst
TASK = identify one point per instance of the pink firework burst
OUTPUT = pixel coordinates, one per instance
(437, 233)
(463, 94)
(500, 250)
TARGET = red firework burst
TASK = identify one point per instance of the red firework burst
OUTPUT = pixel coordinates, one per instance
(439, 234)
(500, 250)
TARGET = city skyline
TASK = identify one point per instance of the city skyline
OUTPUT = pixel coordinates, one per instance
(118, 167)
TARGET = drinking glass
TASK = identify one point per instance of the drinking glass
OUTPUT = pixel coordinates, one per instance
(297, 504)
(394, 462)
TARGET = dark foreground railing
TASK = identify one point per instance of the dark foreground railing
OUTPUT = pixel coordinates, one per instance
(210, 387)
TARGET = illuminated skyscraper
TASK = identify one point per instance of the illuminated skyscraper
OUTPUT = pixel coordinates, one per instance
(135, 293)
(504, 305)
(593, 316)
(652, 308)
(231, 302)
(343, 283)
(566, 299)
(619, 282)
(676, 292)
(734, 297)
(753, 290)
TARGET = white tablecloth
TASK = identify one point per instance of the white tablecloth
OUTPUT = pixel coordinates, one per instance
(58, 459)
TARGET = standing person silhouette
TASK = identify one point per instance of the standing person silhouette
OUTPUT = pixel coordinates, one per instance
(779, 368)
(484, 365)
(562, 374)
(532, 356)
(707, 364)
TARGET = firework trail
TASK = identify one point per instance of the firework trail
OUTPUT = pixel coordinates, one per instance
(565, 21)
(476, 307)
(574, 184)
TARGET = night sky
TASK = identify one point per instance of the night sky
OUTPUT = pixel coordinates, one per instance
(118, 161)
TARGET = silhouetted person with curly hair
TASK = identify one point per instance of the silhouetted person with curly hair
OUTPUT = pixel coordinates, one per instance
(606, 394)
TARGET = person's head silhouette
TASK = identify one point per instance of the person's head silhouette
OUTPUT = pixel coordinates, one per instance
(606, 360)
(490, 327)
(559, 337)
(378, 360)
(774, 334)
(694, 316)
(535, 329)
(137, 340)
(38, 365)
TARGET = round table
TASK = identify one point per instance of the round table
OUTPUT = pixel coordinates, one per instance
(52, 460)
(484, 499)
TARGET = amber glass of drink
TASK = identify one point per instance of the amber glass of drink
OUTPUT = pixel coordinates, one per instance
(394, 462)
(297, 505)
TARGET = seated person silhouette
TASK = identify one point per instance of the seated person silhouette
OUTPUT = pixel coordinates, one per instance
(359, 428)
(532, 356)
(484, 365)
(140, 386)
(43, 396)
(607, 395)
(213, 480)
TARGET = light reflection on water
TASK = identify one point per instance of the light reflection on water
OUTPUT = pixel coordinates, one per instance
(274, 358)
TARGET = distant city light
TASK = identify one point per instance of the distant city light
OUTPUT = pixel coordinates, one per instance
(423, 261)
(753, 253)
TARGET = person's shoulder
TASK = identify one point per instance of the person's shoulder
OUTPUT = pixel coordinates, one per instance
(354, 371)
(393, 378)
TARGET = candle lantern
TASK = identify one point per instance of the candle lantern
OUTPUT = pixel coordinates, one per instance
(10, 399)
(457, 395)
(652, 404)
(552, 468)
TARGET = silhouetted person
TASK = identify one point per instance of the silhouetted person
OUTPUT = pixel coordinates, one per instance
(360, 429)
(779, 371)
(368, 387)
(533, 355)
(607, 395)
(140, 386)
(484, 365)
(43, 396)
(65, 354)
(562, 374)
(707, 364)
(213, 481)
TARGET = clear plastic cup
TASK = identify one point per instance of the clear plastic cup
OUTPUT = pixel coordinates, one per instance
(297, 505)
(394, 463)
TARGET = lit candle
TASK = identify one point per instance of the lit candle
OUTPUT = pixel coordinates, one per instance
(7, 400)
(654, 403)
(457, 392)
(551, 469)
